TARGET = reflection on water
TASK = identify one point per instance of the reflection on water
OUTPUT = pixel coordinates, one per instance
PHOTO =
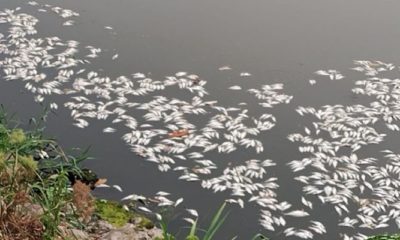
(302, 155)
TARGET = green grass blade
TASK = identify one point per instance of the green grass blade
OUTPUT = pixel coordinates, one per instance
(215, 223)
(217, 216)
(211, 231)
(193, 229)
(259, 237)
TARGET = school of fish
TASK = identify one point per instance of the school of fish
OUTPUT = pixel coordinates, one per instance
(187, 132)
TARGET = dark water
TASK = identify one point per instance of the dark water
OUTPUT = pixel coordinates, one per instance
(277, 41)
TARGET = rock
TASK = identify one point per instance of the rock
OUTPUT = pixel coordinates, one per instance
(146, 223)
(72, 233)
(77, 234)
(104, 225)
(142, 222)
(130, 232)
(32, 209)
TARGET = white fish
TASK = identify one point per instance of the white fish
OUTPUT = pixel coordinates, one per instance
(297, 213)
(179, 201)
(162, 193)
(109, 130)
(68, 23)
(189, 220)
(245, 74)
(117, 187)
(54, 106)
(192, 212)
(235, 87)
(133, 197)
(144, 209)
(224, 68)
(33, 3)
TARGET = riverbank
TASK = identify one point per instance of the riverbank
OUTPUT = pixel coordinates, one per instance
(44, 194)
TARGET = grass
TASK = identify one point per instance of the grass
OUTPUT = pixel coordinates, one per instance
(216, 223)
(385, 237)
(197, 233)
(34, 172)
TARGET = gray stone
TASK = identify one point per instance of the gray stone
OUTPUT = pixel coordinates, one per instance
(32, 209)
(129, 232)
(77, 234)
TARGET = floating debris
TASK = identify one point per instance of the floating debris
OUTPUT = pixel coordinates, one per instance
(178, 133)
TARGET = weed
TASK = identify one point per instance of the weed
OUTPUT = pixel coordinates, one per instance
(29, 181)
(207, 234)
(112, 212)
(385, 237)
(83, 200)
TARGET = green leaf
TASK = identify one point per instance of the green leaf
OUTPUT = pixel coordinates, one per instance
(216, 223)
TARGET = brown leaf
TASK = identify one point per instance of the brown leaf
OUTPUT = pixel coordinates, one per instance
(100, 181)
(179, 133)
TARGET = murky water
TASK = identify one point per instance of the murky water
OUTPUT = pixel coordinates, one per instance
(276, 41)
